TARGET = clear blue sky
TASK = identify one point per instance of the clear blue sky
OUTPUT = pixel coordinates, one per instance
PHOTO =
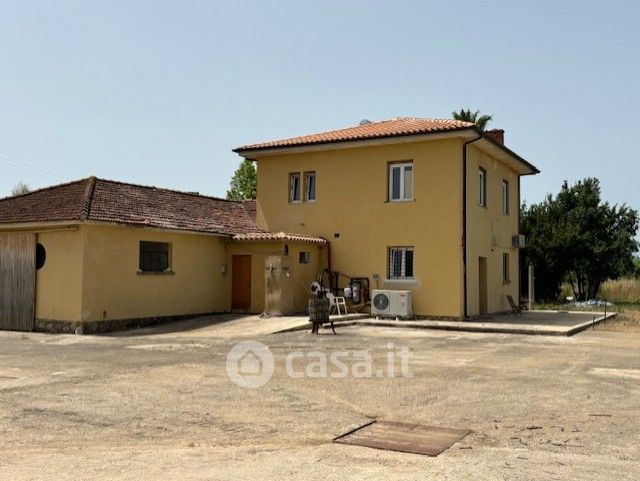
(158, 92)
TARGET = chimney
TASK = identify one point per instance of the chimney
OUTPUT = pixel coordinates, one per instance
(497, 135)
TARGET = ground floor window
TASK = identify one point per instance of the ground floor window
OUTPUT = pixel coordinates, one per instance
(400, 262)
(155, 256)
(305, 257)
(505, 268)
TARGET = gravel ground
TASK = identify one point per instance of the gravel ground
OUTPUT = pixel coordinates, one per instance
(158, 404)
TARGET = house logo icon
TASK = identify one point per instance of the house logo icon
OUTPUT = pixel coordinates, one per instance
(250, 364)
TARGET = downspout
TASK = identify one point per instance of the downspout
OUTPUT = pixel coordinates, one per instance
(518, 232)
(329, 261)
(464, 220)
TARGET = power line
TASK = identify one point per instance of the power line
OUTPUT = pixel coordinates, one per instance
(37, 164)
(28, 169)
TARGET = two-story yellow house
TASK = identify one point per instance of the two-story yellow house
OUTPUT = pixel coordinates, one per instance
(425, 205)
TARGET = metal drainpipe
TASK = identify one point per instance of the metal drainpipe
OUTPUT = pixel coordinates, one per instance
(329, 261)
(464, 218)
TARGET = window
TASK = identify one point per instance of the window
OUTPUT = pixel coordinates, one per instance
(309, 186)
(294, 187)
(400, 181)
(505, 268)
(154, 256)
(305, 257)
(505, 197)
(482, 187)
(400, 263)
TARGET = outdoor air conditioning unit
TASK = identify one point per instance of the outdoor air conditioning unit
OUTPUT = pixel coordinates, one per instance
(517, 241)
(388, 303)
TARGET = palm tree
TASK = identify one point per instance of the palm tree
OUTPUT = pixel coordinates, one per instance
(468, 116)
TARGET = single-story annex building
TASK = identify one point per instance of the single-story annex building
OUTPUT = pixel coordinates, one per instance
(111, 255)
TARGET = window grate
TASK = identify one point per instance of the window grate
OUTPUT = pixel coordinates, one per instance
(154, 256)
(400, 262)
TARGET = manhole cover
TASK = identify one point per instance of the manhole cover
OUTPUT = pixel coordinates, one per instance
(407, 438)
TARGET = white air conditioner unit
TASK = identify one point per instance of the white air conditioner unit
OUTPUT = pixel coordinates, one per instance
(517, 241)
(388, 303)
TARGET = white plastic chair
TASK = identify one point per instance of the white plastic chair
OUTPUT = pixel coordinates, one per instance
(335, 303)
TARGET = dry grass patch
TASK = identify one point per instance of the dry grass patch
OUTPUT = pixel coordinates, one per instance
(621, 290)
(626, 320)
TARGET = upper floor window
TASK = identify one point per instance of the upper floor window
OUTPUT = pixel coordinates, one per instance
(400, 263)
(155, 256)
(294, 187)
(400, 181)
(505, 197)
(310, 186)
(506, 278)
(482, 187)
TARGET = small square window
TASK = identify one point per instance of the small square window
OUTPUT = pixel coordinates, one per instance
(154, 256)
(294, 187)
(305, 257)
(400, 262)
(309, 186)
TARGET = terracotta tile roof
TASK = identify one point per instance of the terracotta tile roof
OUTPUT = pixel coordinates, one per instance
(279, 236)
(58, 203)
(386, 128)
(251, 206)
(117, 202)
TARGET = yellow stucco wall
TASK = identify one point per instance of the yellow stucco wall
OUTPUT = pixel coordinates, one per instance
(302, 275)
(490, 231)
(113, 288)
(91, 274)
(59, 281)
(352, 188)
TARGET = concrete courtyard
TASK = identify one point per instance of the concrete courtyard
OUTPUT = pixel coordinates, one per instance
(158, 404)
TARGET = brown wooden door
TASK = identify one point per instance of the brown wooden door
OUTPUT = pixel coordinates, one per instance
(17, 281)
(241, 283)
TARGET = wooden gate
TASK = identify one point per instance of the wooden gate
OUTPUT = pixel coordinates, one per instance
(17, 281)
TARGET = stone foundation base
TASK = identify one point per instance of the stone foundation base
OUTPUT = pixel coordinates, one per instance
(96, 327)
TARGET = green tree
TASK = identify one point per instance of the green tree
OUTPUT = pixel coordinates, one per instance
(578, 238)
(542, 250)
(481, 121)
(244, 182)
(20, 188)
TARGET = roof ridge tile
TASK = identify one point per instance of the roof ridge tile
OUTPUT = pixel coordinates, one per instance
(88, 198)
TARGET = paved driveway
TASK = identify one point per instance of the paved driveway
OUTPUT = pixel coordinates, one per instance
(162, 406)
(219, 326)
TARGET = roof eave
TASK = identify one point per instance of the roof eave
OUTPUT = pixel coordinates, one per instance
(532, 168)
(252, 152)
(42, 225)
